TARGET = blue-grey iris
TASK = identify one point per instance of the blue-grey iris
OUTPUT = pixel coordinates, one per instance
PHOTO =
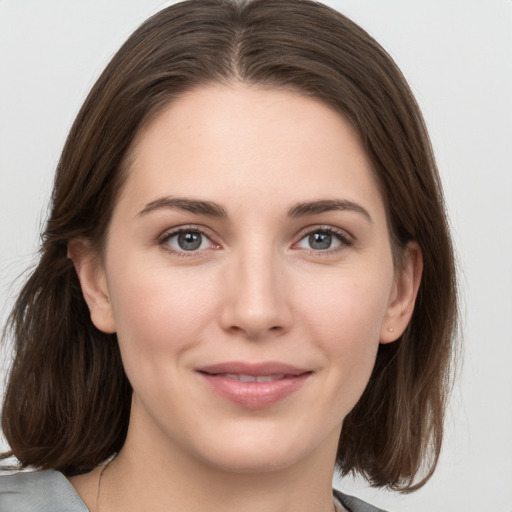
(190, 241)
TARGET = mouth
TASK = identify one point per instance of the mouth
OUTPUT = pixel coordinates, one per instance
(252, 385)
(251, 378)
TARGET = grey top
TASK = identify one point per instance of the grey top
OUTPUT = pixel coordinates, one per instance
(50, 491)
(40, 491)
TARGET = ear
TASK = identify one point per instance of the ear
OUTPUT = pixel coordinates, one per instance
(93, 281)
(403, 294)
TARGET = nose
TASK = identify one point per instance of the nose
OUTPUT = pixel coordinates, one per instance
(257, 302)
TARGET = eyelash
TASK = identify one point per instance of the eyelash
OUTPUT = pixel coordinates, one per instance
(343, 237)
(168, 235)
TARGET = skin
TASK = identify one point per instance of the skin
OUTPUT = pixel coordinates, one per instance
(256, 290)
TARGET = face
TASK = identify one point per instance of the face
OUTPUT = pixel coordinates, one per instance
(248, 274)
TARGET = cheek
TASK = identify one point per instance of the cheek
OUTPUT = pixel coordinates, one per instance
(345, 321)
(349, 307)
(158, 315)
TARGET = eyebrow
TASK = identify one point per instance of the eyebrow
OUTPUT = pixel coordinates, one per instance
(327, 205)
(187, 205)
(212, 209)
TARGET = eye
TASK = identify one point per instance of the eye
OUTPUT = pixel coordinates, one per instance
(186, 240)
(324, 240)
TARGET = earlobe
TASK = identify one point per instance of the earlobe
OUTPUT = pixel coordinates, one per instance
(403, 297)
(91, 275)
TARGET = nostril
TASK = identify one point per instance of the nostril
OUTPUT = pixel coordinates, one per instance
(253, 331)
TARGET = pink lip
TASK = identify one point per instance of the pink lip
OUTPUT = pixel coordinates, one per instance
(254, 395)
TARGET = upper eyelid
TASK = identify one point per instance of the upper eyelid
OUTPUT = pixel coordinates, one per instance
(327, 228)
(169, 232)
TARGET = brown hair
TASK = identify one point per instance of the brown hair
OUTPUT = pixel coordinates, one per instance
(67, 403)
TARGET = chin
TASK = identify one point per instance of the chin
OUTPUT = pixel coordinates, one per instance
(253, 461)
(266, 451)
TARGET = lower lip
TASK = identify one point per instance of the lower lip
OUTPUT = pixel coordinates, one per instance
(254, 395)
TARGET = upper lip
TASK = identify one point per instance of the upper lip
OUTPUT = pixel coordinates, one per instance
(255, 369)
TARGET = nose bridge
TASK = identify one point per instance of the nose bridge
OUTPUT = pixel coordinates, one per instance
(257, 299)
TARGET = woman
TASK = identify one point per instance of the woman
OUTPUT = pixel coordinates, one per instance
(245, 280)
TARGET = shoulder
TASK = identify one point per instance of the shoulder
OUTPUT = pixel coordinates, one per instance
(353, 504)
(38, 491)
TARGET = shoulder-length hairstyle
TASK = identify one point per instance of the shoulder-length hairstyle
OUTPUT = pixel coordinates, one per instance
(67, 403)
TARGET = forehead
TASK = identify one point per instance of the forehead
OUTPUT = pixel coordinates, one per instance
(251, 143)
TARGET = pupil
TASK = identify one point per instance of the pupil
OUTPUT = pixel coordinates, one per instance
(320, 241)
(189, 241)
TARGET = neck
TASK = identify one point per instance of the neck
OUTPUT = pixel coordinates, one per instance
(146, 477)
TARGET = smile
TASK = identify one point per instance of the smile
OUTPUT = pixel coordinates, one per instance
(252, 378)
(254, 386)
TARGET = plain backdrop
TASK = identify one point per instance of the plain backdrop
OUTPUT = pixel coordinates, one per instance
(457, 56)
